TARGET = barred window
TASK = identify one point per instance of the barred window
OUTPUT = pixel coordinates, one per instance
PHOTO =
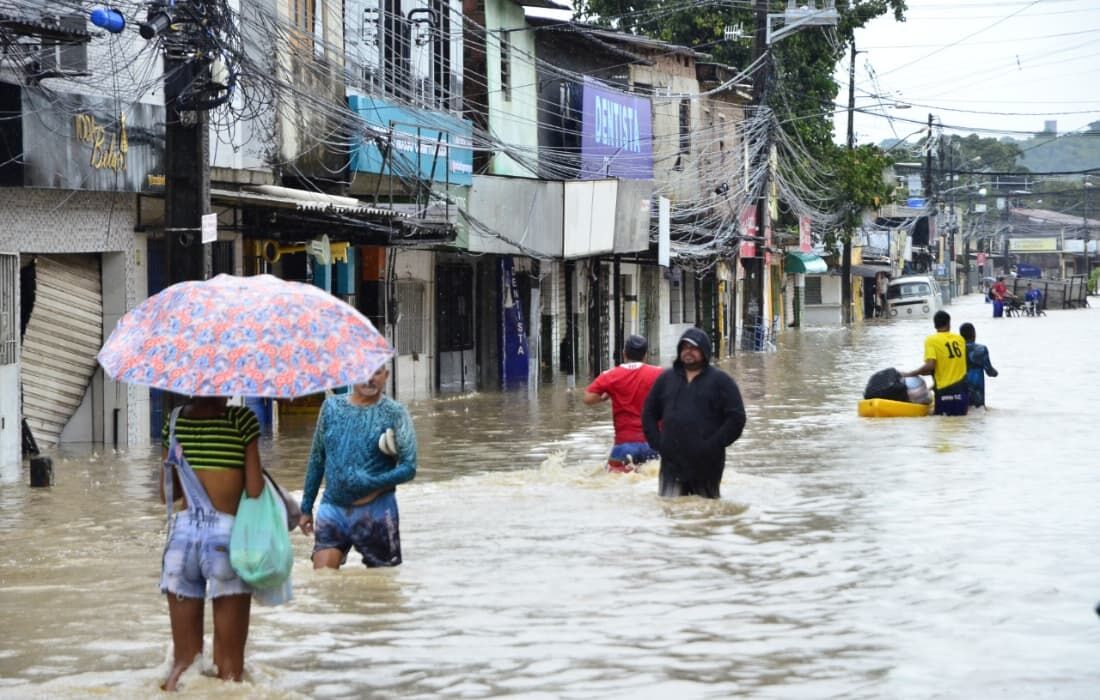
(410, 317)
(813, 290)
(506, 64)
(9, 320)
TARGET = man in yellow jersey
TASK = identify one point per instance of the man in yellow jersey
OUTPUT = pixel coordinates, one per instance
(945, 360)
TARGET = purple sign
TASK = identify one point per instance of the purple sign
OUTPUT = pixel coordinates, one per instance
(513, 336)
(616, 134)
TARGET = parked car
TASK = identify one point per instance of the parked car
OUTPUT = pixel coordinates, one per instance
(913, 296)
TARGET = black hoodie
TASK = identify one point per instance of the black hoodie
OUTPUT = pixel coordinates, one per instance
(692, 423)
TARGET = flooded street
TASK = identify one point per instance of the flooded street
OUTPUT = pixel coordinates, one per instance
(849, 557)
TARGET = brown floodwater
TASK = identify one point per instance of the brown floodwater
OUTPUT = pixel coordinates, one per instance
(848, 557)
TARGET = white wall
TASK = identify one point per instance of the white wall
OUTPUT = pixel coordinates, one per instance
(10, 434)
(830, 312)
(669, 332)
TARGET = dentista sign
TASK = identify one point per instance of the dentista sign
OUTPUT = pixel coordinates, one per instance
(616, 133)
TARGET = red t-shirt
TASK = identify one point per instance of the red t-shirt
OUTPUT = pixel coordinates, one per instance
(999, 290)
(628, 385)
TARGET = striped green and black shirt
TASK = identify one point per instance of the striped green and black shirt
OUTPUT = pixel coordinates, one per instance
(215, 443)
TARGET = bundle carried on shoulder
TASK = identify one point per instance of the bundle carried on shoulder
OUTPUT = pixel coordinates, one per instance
(887, 384)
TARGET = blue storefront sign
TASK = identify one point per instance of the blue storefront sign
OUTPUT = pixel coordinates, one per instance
(398, 141)
(616, 133)
(513, 332)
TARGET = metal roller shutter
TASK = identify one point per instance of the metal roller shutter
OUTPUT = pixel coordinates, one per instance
(64, 333)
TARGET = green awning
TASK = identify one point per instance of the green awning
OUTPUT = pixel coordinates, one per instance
(804, 263)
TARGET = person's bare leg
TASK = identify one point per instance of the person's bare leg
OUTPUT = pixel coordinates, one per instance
(231, 614)
(327, 559)
(185, 615)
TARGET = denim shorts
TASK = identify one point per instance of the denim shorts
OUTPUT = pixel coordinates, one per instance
(626, 454)
(371, 528)
(196, 557)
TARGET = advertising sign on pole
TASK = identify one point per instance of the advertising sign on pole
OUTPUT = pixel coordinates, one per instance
(748, 228)
(805, 234)
(209, 228)
(513, 334)
(664, 230)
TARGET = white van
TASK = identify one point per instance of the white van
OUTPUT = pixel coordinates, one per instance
(913, 296)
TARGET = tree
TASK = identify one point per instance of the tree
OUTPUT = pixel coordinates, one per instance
(860, 186)
(801, 90)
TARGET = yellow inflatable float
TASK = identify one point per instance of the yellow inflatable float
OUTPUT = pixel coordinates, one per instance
(885, 408)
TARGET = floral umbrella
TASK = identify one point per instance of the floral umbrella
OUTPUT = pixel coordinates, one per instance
(244, 336)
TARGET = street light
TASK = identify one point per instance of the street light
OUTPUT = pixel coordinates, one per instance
(1085, 186)
(797, 16)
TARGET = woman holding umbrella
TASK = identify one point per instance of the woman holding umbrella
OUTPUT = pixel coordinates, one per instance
(256, 336)
(212, 457)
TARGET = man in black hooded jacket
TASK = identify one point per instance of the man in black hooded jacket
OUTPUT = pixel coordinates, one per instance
(693, 412)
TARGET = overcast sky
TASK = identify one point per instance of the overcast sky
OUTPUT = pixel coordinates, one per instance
(992, 67)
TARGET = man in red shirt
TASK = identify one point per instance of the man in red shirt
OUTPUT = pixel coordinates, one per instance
(626, 386)
(999, 294)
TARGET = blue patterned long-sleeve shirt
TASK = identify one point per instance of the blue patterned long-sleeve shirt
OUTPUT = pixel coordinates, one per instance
(345, 451)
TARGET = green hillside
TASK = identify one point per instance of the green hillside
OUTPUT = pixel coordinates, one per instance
(1069, 152)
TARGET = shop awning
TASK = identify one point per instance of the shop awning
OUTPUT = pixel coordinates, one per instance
(804, 263)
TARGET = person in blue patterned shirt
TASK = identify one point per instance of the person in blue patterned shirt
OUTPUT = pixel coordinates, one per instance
(351, 453)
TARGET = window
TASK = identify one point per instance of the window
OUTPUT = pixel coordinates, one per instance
(909, 290)
(441, 58)
(685, 134)
(8, 318)
(304, 16)
(813, 291)
(395, 50)
(505, 64)
(410, 318)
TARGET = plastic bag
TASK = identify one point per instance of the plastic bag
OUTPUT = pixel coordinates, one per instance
(886, 384)
(259, 544)
(918, 390)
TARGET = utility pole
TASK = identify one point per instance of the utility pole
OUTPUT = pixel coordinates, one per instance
(1085, 219)
(952, 259)
(187, 179)
(928, 180)
(846, 260)
(928, 164)
(753, 302)
(187, 138)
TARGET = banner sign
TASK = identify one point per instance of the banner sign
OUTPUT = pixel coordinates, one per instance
(398, 141)
(805, 235)
(748, 228)
(513, 332)
(1033, 245)
(79, 142)
(616, 133)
